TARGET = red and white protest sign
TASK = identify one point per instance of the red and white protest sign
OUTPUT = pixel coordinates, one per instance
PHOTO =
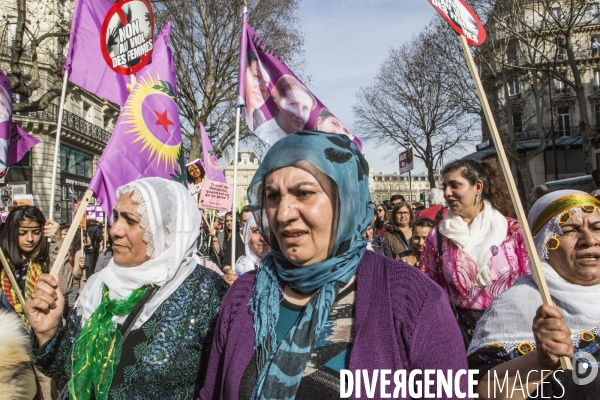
(127, 36)
(216, 196)
(462, 19)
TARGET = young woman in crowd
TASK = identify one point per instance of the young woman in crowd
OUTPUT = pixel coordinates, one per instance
(399, 231)
(270, 340)
(478, 251)
(29, 254)
(420, 230)
(566, 229)
(378, 244)
(142, 326)
(382, 218)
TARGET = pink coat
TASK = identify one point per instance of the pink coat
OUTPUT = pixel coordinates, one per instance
(460, 271)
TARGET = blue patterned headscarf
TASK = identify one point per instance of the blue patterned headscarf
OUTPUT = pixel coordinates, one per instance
(280, 367)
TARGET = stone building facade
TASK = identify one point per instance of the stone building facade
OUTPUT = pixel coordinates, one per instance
(86, 126)
(558, 114)
(248, 163)
(383, 186)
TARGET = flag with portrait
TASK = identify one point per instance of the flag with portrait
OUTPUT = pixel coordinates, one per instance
(275, 102)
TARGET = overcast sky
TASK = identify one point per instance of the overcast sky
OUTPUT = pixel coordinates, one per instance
(345, 41)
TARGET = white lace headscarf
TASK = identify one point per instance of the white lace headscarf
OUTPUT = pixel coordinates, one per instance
(250, 261)
(171, 221)
(549, 226)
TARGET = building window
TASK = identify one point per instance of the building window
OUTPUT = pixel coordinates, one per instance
(561, 48)
(512, 55)
(597, 79)
(76, 162)
(517, 120)
(556, 15)
(597, 113)
(595, 46)
(564, 121)
(560, 86)
(592, 14)
(514, 87)
(88, 112)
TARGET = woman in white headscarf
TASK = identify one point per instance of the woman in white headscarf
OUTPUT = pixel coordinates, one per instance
(143, 325)
(256, 248)
(517, 333)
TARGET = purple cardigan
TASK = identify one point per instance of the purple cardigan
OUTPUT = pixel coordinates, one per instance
(403, 320)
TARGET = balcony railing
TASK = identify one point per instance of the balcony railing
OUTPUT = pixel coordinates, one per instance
(532, 133)
(71, 121)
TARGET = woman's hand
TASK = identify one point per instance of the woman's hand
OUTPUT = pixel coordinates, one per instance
(44, 310)
(212, 232)
(81, 262)
(52, 231)
(230, 276)
(552, 337)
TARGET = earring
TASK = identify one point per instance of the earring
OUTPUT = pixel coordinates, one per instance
(478, 197)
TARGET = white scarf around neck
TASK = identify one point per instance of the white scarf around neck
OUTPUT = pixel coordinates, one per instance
(508, 319)
(488, 229)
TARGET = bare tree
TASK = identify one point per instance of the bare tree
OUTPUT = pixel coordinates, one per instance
(413, 103)
(205, 38)
(33, 36)
(552, 38)
(519, 101)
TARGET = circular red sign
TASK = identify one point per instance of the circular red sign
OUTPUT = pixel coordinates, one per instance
(127, 36)
(462, 19)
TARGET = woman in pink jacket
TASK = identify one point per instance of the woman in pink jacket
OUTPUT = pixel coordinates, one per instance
(478, 251)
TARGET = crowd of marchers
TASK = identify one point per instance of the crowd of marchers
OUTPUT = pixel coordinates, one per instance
(322, 280)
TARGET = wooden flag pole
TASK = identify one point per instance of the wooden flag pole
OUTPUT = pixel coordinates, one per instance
(11, 278)
(61, 110)
(565, 362)
(62, 253)
(105, 238)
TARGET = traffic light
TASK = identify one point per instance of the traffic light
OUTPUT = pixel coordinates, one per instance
(422, 198)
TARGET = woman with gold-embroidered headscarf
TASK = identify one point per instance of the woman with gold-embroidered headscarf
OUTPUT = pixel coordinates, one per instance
(142, 326)
(566, 229)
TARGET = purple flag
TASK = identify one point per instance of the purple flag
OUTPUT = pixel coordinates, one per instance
(276, 102)
(85, 63)
(147, 138)
(211, 164)
(14, 141)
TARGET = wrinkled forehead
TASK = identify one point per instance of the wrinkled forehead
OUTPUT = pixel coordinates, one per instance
(126, 203)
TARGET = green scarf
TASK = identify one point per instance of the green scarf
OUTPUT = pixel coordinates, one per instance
(97, 350)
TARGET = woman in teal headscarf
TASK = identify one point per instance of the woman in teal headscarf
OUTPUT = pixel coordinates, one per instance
(319, 303)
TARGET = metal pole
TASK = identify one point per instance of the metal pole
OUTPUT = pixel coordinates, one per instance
(410, 188)
(61, 110)
(235, 171)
